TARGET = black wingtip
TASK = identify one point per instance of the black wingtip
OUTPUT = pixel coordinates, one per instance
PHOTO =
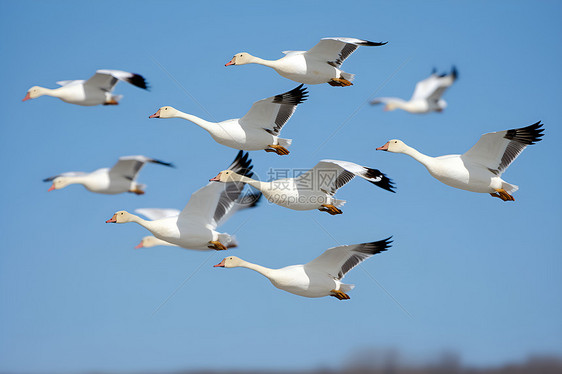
(48, 179)
(379, 246)
(454, 73)
(139, 81)
(294, 97)
(242, 164)
(372, 44)
(381, 181)
(526, 135)
(169, 164)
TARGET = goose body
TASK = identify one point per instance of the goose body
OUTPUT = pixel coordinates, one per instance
(320, 64)
(319, 277)
(426, 97)
(95, 91)
(259, 129)
(314, 189)
(118, 179)
(481, 167)
(195, 226)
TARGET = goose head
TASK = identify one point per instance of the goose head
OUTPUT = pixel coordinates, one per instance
(241, 59)
(60, 182)
(226, 176)
(147, 242)
(229, 262)
(165, 112)
(121, 216)
(34, 92)
(394, 145)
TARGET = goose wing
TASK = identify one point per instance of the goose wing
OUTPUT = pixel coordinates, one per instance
(107, 79)
(335, 50)
(433, 87)
(497, 150)
(338, 261)
(272, 113)
(67, 174)
(330, 175)
(129, 166)
(214, 203)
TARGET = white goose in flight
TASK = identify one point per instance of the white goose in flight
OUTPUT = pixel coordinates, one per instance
(95, 91)
(321, 64)
(426, 97)
(120, 178)
(258, 129)
(208, 207)
(314, 189)
(481, 167)
(320, 277)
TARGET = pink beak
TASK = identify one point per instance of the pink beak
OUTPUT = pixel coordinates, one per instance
(220, 264)
(216, 179)
(384, 147)
(231, 62)
(112, 219)
(27, 97)
(138, 245)
(155, 115)
(51, 188)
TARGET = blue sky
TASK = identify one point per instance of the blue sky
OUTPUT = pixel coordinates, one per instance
(477, 275)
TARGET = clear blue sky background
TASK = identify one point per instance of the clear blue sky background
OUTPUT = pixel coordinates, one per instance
(479, 276)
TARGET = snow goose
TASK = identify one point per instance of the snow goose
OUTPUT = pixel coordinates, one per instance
(314, 189)
(95, 91)
(481, 167)
(321, 276)
(426, 97)
(120, 178)
(258, 129)
(208, 207)
(321, 64)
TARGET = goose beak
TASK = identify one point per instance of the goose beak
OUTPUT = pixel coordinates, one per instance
(216, 179)
(155, 115)
(138, 245)
(231, 62)
(51, 188)
(27, 97)
(112, 219)
(220, 264)
(384, 147)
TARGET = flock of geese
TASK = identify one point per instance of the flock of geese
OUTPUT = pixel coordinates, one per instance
(195, 227)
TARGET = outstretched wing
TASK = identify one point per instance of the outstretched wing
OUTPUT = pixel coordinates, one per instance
(215, 203)
(129, 166)
(432, 88)
(335, 50)
(338, 261)
(330, 175)
(67, 174)
(497, 150)
(107, 79)
(272, 113)
(157, 213)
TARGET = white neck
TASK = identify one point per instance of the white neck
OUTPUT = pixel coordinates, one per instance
(51, 92)
(252, 182)
(418, 156)
(196, 120)
(144, 223)
(266, 272)
(261, 61)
